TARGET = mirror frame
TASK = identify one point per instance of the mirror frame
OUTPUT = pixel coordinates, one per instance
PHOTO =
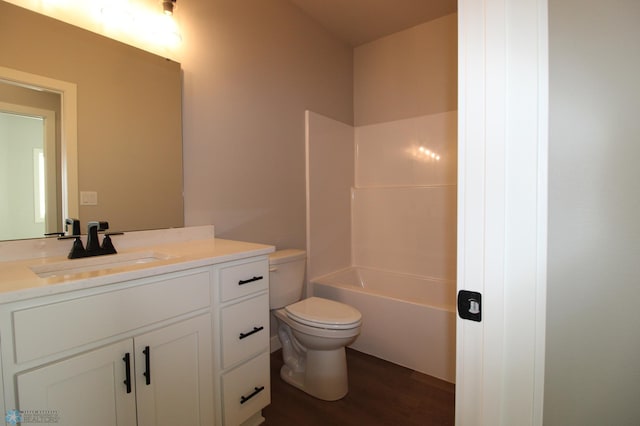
(69, 131)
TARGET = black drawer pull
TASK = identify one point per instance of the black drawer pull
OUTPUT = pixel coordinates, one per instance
(147, 364)
(255, 330)
(127, 371)
(256, 391)
(250, 280)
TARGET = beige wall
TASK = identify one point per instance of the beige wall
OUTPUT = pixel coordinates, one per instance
(251, 69)
(593, 325)
(407, 74)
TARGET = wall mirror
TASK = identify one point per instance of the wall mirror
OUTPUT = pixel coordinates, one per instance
(125, 138)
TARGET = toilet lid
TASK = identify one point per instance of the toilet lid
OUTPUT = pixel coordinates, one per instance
(318, 312)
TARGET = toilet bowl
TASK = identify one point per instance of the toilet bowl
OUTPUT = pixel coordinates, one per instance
(313, 332)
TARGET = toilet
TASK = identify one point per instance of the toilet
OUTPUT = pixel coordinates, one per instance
(313, 331)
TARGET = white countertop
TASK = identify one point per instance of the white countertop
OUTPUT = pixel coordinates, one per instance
(187, 250)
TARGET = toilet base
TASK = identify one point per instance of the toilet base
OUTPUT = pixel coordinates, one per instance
(330, 383)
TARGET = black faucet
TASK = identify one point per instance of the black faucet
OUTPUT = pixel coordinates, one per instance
(93, 242)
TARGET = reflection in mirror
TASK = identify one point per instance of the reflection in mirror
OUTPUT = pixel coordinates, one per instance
(38, 146)
(128, 128)
(28, 156)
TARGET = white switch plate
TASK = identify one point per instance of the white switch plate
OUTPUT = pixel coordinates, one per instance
(88, 198)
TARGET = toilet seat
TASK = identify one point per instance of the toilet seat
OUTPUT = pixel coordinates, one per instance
(324, 313)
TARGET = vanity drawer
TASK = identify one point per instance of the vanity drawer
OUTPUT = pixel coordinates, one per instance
(246, 390)
(53, 328)
(243, 279)
(244, 329)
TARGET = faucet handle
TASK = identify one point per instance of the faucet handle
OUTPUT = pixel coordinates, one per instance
(75, 226)
(99, 225)
(107, 245)
(54, 234)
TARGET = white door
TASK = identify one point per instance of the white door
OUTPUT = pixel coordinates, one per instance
(28, 177)
(174, 374)
(502, 200)
(86, 389)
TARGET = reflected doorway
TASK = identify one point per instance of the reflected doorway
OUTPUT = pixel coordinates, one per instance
(28, 172)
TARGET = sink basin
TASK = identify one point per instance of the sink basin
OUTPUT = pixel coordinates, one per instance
(97, 263)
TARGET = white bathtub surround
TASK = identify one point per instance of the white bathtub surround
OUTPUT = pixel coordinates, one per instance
(394, 206)
(408, 288)
(407, 319)
(389, 155)
(404, 200)
(408, 230)
(330, 176)
(401, 269)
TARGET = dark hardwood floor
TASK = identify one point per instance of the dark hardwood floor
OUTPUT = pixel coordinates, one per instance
(380, 393)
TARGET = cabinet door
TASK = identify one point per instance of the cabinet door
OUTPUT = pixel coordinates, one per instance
(174, 374)
(87, 389)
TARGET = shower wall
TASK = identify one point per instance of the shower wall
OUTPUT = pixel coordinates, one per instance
(397, 224)
(382, 194)
(330, 174)
(392, 206)
(404, 199)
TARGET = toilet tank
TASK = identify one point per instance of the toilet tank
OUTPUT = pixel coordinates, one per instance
(286, 277)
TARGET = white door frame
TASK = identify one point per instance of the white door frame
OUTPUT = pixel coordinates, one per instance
(502, 209)
(68, 130)
(52, 221)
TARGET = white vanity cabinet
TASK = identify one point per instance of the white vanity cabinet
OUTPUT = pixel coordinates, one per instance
(85, 389)
(175, 361)
(131, 353)
(162, 372)
(242, 335)
(184, 347)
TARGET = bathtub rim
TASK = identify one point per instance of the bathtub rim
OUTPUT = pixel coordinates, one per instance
(360, 289)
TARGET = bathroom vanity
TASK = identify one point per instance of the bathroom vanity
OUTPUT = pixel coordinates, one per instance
(172, 330)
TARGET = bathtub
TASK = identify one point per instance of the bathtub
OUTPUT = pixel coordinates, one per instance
(406, 319)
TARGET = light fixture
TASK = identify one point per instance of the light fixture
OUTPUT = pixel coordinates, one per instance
(167, 6)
